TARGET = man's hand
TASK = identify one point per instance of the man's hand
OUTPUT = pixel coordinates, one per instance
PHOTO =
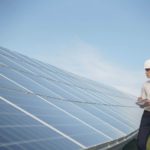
(147, 103)
(140, 101)
(143, 102)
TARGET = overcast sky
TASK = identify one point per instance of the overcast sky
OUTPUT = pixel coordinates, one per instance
(104, 40)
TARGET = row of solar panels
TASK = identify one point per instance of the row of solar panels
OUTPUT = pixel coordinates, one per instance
(43, 107)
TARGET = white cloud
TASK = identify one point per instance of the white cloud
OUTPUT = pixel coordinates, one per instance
(87, 61)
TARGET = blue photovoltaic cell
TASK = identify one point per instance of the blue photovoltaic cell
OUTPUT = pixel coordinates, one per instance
(19, 130)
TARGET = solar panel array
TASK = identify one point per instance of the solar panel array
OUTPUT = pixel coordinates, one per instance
(46, 108)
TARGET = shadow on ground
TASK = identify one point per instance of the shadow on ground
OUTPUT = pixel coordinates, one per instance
(131, 145)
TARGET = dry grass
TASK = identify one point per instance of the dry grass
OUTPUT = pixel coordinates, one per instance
(148, 144)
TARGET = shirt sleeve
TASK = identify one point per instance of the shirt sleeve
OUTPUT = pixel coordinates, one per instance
(143, 93)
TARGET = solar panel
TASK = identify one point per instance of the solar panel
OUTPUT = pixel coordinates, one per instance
(43, 107)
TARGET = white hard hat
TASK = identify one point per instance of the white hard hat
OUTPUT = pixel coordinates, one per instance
(147, 64)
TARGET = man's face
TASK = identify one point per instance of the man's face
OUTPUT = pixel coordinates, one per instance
(147, 72)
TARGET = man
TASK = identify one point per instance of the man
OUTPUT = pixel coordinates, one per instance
(144, 102)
